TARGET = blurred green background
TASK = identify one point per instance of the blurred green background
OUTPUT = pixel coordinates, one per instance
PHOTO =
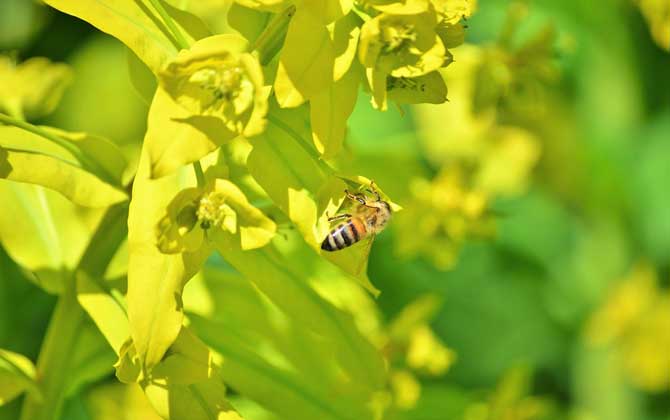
(562, 309)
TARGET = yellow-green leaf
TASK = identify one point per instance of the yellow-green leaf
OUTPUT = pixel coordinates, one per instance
(306, 61)
(293, 381)
(141, 77)
(344, 34)
(109, 314)
(88, 172)
(329, 111)
(74, 183)
(429, 88)
(17, 374)
(136, 24)
(175, 138)
(327, 11)
(155, 280)
(49, 237)
(248, 22)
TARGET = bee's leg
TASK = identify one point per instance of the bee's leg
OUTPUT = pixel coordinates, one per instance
(373, 190)
(338, 217)
(355, 197)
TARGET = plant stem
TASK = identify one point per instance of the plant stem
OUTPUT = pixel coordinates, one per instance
(199, 174)
(179, 37)
(267, 42)
(53, 364)
(68, 146)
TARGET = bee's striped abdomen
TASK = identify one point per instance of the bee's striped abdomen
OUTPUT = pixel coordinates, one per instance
(344, 235)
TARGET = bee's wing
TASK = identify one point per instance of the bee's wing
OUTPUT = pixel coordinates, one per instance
(365, 254)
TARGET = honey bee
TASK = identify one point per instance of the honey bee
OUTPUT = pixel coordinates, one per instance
(368, 218)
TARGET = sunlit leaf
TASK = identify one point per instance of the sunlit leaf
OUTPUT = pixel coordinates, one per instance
(49, 237)
(90, 175)
(155, 279)
(344, 34)
(137, 25)
(114, 401)
(329, 112)
(17, 374)
(174, 138)
(287, 377)
(108, 313)
(306, 61)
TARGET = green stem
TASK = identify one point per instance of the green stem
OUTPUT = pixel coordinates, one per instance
(304, 144)
(181, 41)
(269, 41)
(53, 364)
(199, 174)
(85, 161)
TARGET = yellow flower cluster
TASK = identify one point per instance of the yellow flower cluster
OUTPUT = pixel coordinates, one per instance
(404, 43)
(479, 158)
(443, 214)
(635, 321)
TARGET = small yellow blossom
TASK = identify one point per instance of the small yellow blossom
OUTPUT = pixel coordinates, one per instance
(635, 321)
(219, 205)
(217, 78)
(31, 89)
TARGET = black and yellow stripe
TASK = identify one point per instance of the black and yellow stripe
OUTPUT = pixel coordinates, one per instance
(344, 235)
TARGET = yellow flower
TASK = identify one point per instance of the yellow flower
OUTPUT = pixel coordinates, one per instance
(33, 88)
(657, 14)
(443, 215)
(402, 45)
(219, 206)
(216, 77)
(635, 321)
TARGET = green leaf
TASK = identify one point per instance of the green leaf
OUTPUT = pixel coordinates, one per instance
(306, 61)
(273, 352)
(88, 171)
(329, 112)
(141, 77)
(49, 237)
(248, 22)
(136, 24)
(91, 359)
(327, 11)
(17, 374)
(155, 280)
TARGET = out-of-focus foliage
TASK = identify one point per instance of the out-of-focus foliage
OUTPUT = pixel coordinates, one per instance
(167, 186)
